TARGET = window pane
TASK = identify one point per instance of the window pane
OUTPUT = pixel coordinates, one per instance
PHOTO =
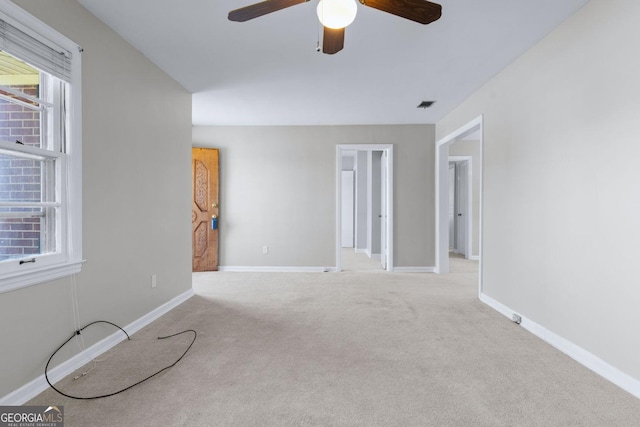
(21, 237)
(20, 116)
(30, 232)
(25, 227)
(14, 71)
(19, 123)
(23, 179)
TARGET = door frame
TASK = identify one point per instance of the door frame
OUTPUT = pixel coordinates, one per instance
(442, 194)
(468, 195)
(388, 149)
(384, 221)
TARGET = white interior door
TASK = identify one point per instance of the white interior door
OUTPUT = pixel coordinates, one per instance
(452, 206)
(383, 209)
(347, 209)
(461, 219)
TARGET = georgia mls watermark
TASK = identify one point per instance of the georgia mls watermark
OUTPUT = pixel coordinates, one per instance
(31, 416)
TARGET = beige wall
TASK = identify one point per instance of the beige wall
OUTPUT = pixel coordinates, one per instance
(561, 205)
(278, 189)
(136, 178)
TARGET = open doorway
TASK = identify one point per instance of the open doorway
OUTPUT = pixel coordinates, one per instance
(461, 196)
(459, 174)
(364, 206)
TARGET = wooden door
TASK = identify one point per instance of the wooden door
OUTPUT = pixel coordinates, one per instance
(204, 171)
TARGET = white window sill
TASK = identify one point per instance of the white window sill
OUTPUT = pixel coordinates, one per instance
(33, 277)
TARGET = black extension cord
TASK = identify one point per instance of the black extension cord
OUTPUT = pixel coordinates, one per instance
(79, 331)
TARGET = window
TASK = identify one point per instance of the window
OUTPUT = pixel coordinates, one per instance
(40, 158)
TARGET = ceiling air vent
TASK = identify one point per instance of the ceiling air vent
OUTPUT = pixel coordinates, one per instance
(426, 104)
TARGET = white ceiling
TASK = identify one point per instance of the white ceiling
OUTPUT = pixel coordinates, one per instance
(267, 72)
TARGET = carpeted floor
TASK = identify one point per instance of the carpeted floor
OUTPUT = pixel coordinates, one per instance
(348, 349)
(352, 261)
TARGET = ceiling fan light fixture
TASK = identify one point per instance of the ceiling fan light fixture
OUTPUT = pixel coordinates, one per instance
(336, 14)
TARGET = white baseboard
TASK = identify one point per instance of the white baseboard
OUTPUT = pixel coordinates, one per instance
(282, 269)
(497, 306)
(579, 354)
(37, 386)
(474, 257)
(276, 269)
(414, 269)
(360, 251)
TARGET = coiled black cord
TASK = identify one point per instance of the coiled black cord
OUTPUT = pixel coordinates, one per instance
(78, 332)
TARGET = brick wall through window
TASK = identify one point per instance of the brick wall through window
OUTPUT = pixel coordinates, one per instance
(20, 179)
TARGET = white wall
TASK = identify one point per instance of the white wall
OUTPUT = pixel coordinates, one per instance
(561, 206)
(278, 189)
(136, 179)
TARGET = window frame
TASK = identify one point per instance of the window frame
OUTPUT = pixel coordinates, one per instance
(68, 260)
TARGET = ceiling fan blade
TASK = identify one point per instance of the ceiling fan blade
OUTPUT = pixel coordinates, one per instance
(332, 40)
(421, 11)
(255, 10)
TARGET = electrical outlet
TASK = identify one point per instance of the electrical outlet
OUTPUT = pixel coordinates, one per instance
(154, 281)
(265, 250)
(516, 318)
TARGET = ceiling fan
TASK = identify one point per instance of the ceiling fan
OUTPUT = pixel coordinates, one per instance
(335, 15)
